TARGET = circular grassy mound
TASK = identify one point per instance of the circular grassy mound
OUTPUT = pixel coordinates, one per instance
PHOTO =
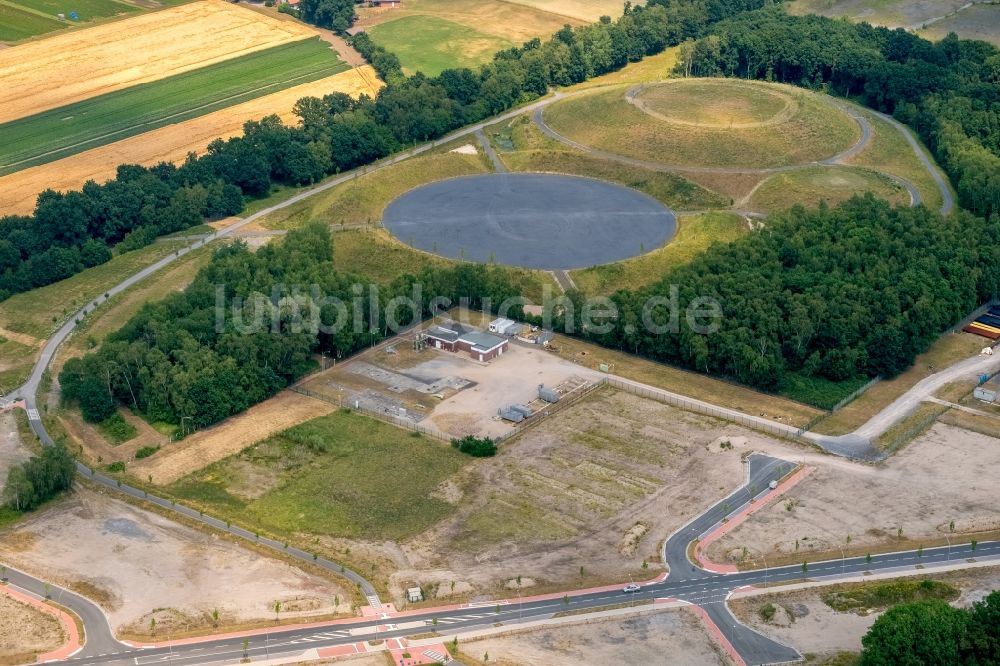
(695, 125)
(704, 103)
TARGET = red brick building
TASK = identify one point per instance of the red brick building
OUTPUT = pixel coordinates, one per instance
(480, 346)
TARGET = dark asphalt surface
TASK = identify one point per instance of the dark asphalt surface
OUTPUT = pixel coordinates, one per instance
(532, 220)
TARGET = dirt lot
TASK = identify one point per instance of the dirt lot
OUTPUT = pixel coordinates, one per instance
(25, 630)
(171, 143)
(133, 561)
(643, 639)
(597, 485)
(231, 436)
(375, 377)
(938, 478)
(809, 625)
(71, 67)
(12, 450)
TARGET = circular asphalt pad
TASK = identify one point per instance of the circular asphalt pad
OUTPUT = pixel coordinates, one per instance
(531, 220)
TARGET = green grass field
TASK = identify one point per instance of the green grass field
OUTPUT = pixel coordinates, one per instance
(695, 233)
(343, 474)
(17, 24)
(833, 185)
(430, 44)
(604, 120)
(101, 120)
(85, 9)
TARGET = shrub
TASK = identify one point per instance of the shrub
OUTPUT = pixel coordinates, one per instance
(146, 451)
(477, 447)
(116, 466)
(767, 612)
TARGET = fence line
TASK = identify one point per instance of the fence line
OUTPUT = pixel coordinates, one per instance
(850, 398)
(407, 424)
(779, 430)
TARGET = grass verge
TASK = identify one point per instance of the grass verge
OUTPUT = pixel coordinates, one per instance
(40, 311)
(691, 384)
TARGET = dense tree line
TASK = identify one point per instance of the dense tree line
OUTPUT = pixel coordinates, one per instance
(72, 231)
(191, 360)
(859, 289)
(931, 633)
(948, 91)
(39, 479)
(337, 15)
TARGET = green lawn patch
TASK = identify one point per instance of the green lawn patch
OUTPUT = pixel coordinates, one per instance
(429, 44)
(86, 9)
(882, 595)
(342, 474)
(17, 24)
(116, 430)
(97, 121)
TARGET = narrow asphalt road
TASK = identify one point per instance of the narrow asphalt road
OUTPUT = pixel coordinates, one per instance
(686, 582)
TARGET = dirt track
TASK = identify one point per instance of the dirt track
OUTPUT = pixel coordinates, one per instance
(231, 436)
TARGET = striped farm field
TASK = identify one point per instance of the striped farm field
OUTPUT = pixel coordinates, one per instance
(171, 143)
(86, 10)
(98, 121)
(82, 63)
(17, 23)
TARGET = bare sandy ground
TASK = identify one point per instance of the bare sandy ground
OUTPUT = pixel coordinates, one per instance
(71, 67)
(25, 630)
(171, 143)
(132, 561)
(231, 436)
(809, 625)
(597, 486)
(674, 636)
(942, 476)
(12, 450)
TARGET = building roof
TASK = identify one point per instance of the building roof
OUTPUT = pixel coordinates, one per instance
(441, 333)
(483, 342)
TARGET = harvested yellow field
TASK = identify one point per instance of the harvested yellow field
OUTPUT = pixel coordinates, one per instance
(171, 143)
(279, 413)
(77, 65)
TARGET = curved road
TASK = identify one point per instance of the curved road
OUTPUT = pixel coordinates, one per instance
(834, 160)
(685, 582)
